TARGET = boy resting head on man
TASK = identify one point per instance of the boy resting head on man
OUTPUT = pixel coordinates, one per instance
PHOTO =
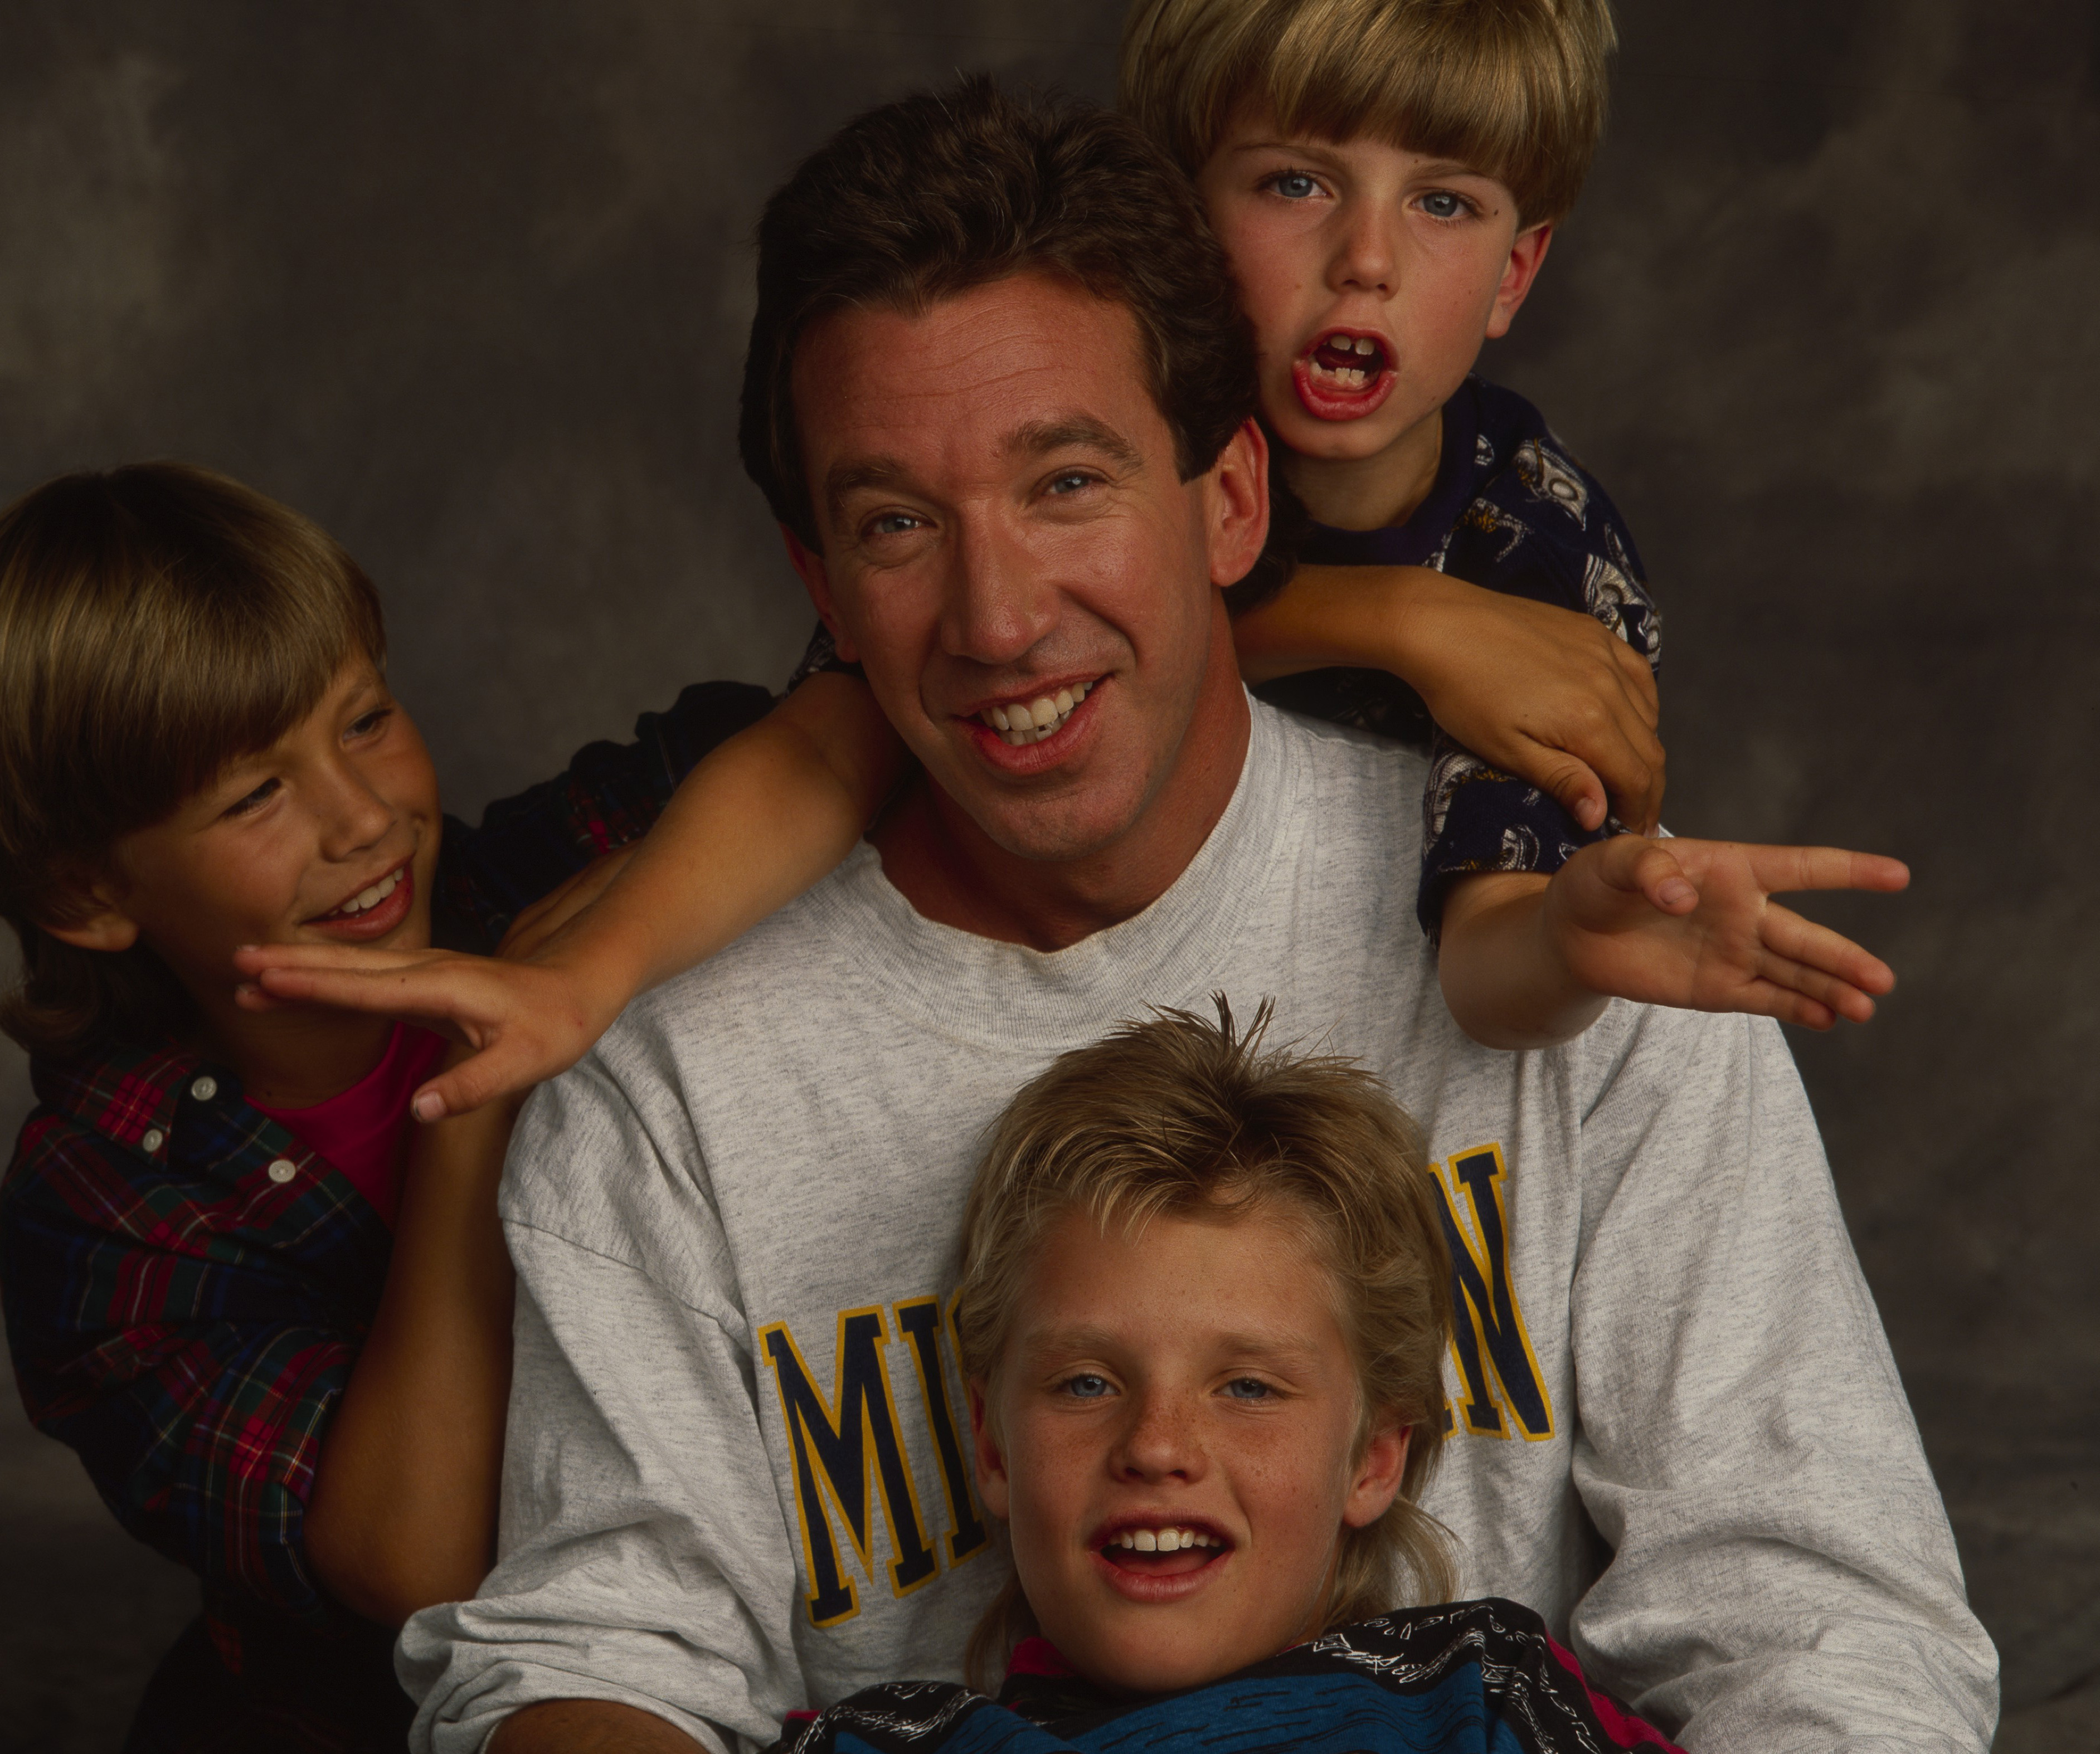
(1205, 1298)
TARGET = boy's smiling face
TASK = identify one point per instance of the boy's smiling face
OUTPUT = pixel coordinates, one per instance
(1371, 275)
(1172, 1439)
(328, 836)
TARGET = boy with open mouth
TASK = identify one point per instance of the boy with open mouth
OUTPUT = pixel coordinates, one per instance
(1203, 1304)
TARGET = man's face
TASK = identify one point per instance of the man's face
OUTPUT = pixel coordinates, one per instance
(1005, 538)
(328, 836)
(1371, 275)
(1172, 1440)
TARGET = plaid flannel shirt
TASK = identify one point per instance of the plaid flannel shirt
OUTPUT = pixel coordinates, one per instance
(186, 1285)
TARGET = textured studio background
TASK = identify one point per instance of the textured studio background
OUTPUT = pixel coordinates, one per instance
(468, 283)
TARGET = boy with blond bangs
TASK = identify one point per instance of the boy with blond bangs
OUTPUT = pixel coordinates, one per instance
(1385, 177)
(1203, 1302)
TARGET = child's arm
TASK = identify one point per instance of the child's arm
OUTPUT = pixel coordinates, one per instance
(753, 825)
(403, 1510)
(1527, 961)
(1545, 692)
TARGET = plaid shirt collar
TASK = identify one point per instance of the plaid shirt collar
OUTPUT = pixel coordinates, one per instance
(130, 1095)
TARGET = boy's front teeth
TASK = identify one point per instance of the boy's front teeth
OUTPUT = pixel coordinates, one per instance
(1164, 1540)
(367, 899)
(1032, 720)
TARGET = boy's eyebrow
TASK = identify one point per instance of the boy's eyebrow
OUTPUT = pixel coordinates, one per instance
(1072, 431)
(1086, 1340)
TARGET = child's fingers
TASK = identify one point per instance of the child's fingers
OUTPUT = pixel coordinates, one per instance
(1656, 873)
(1793, 943)
(1781, 870)
(1638, 677)
(424, 995)
(1571, 784)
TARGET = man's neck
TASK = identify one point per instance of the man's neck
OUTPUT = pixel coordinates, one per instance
(953, 873)
(1373, 492)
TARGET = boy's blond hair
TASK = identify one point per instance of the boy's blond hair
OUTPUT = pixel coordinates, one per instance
(1180, 1116)
(1512, 88)
(156, 622)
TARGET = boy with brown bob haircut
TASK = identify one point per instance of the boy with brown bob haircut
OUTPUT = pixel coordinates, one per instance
(281, 1351)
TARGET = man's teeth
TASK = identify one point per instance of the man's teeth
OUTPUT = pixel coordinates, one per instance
(1163, 1540)
(367, 899)
(1032, 720)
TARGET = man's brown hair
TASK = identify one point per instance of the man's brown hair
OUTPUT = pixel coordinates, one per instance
(1181, 1116)
(939, 193)
(156, 622)
(1513, 88)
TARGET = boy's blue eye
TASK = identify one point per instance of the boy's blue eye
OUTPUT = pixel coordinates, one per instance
(1086, 1387)
(1248, 1389)
(1294, 185)
(1441, 204)
(371, 721)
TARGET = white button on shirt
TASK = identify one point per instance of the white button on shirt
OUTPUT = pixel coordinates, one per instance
(154, 1138)
(282, 1169)
(204, 1088)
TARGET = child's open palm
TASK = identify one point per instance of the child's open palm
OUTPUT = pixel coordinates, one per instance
(1692, 923)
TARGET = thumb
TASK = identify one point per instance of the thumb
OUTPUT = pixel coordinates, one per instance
(479, 1078)
(1656, 873)
(1573, 785)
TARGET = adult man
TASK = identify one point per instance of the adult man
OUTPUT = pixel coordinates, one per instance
(999, 397)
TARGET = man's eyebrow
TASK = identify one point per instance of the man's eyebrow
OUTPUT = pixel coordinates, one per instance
(1074, 431)
(844, 479)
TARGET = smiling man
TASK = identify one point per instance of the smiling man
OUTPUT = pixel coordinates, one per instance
(1000, 398)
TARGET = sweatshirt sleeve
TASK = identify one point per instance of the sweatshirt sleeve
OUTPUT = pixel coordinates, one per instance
(643, 1555)
(1783, 1577)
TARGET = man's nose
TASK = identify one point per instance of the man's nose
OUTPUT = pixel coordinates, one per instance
(1162, 1439)
(998, 600)
(1366, 256)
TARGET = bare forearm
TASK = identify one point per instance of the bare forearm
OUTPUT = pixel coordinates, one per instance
(1361, 616)
(404, 1507)
(753, 826)
(1506, 983)
(588, 1726)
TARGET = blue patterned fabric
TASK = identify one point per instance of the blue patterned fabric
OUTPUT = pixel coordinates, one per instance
(1511, 511)
(1467, 1677)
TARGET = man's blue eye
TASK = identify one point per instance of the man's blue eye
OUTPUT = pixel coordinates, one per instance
(1070, 484)
(1087, 1386)
(1248, 1389)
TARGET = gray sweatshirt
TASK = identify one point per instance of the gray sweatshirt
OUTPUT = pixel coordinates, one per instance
(736, 1481)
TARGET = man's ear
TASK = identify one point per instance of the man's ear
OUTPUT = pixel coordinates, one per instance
(990, 1460)
(1235, 505)
(1375, 1481)
(817, 581)
(94, 919)
(1527, 256)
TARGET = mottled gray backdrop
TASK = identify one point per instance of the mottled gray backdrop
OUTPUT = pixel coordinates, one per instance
(468, 283)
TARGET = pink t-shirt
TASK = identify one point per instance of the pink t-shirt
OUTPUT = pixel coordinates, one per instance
(364, 1131)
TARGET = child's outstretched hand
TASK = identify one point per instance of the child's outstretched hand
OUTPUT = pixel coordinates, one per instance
(1692, 923)
(527, 1013)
